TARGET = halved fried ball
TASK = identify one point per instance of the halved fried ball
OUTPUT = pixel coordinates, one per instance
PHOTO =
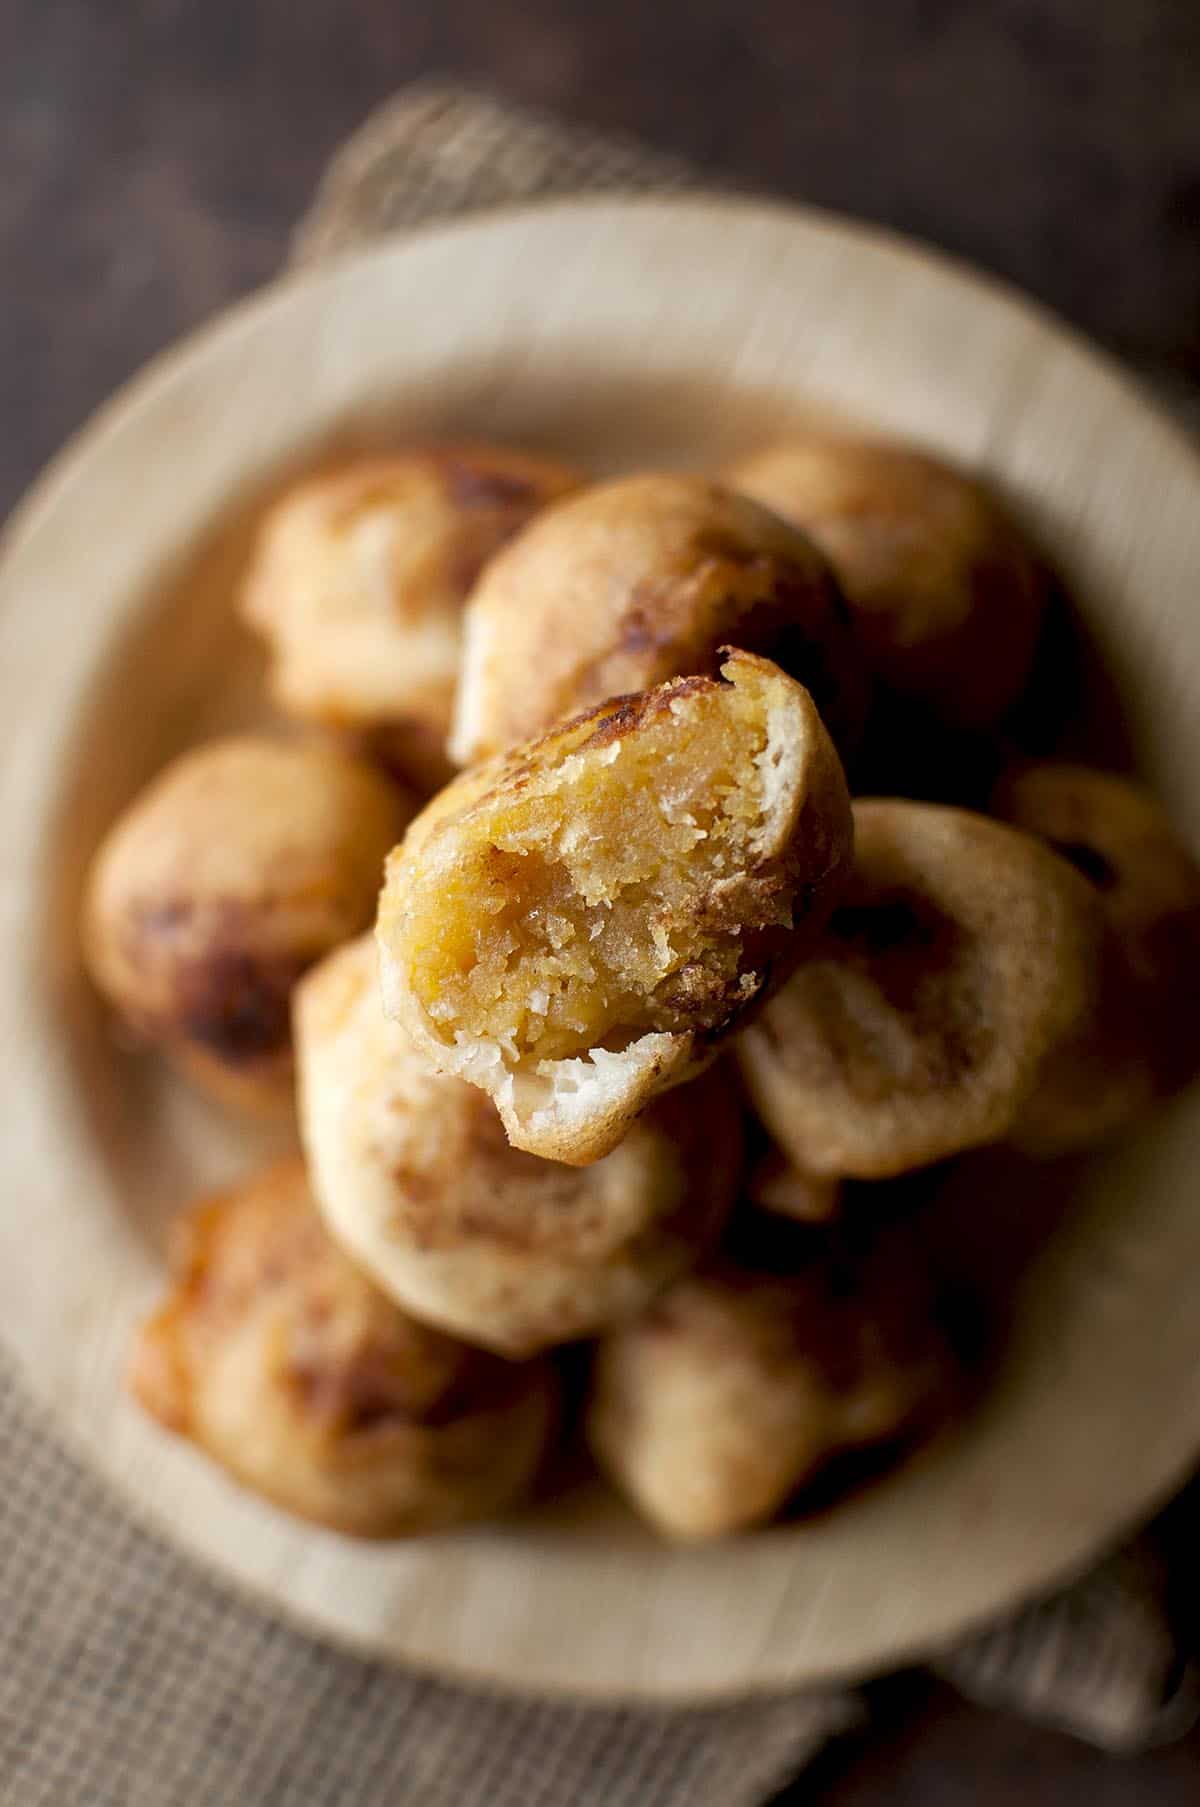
(734, 1389)
(358, 582)
(1145, 1038)
(945, 596)
(574, 927)
(961, 958)
(286, 1365)
(241, 865)
(640, 580)
(414, 1175)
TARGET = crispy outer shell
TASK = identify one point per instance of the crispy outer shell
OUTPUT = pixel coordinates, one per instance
(414, 1174)
(945, 596)
(1145, 1040)
(759, 916)
(740, 1383)
(640, 580)
(288, 1367)
(358, 581)
(962, 957)
(244, 862)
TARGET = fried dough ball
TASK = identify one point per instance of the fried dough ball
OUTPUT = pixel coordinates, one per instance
(741, 1382)
(945, 596)
(414, 1175)
(640, 580)
(358, 583)
(241, 865)
(287, 1366)
(777, 1185)
(573, 927)
(1145, 1039)
(962, 956)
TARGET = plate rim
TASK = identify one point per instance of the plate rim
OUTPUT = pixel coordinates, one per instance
(159, 367)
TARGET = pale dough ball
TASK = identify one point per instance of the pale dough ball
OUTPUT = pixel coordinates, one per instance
(358, 582)
(945, 596)
(1144, 1039)
(414, 1175)
(739, 1384)
(961, 958)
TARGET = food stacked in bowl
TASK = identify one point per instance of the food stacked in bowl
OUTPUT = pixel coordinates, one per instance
(654, 875)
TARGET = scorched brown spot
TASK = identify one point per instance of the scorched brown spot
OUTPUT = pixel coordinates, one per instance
(307, 1383)
(473, 483)
(238, 1005)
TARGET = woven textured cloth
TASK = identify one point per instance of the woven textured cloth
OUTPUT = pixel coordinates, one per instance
(128, 1678)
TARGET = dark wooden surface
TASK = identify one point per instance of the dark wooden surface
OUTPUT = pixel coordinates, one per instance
(927, 1748)
(155, 153)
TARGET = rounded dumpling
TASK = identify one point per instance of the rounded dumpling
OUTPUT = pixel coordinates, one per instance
(945, 596)
(1145, 1039)
(962, 956)
(286, 1365)
(358, 581)
(744, 1379)
(640, 580)
(413, 1174)
(575, 926)
(241, 865)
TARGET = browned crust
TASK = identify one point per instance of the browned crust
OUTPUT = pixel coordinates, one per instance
(962, 957)
(643, 579)
(1144, 1041)
(350, 1390)
(742, 1382)
(239, 867)
(945, 596)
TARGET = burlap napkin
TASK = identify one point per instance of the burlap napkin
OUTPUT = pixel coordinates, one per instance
(130, 1679)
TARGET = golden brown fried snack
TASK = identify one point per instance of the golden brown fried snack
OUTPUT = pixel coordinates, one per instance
(241, 865)
(962, 957)
(1145, 1038)
(637, 581)
(284, 1363)
(413, 1174)
(574, 927)
(740, 1382)
(945, 597)
(358, 583)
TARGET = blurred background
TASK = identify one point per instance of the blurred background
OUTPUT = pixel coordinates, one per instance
(156, 152)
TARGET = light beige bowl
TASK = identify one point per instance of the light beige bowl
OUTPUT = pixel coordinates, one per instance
(618, 334)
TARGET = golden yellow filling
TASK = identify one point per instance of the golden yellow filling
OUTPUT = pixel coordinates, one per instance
(600, 899)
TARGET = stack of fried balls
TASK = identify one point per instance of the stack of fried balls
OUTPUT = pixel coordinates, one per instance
(611, 1010)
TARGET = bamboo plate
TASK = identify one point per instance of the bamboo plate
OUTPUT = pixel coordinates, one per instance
(620, 334)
